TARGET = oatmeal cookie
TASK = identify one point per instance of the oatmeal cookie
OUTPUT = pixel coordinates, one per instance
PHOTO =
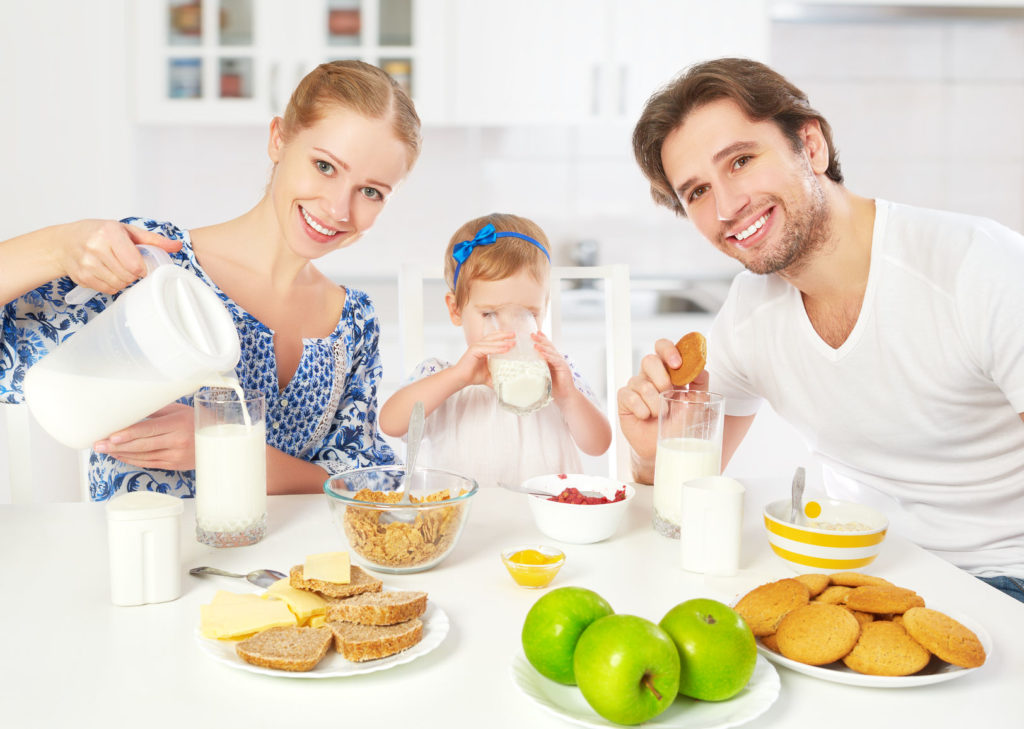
(834, 594)
(856, 579)
(817, 633)
(816, 583)
(883, 599)
(764, 606)
(885, 649)
(945, 637)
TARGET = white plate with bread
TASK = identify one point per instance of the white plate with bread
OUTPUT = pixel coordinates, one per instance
(334, 665)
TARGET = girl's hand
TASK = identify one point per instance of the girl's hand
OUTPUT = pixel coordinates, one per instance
(472, 365)
(562, 385)
(102, 255)
(166, 439)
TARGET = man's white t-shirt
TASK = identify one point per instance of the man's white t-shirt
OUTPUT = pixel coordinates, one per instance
(918, 411)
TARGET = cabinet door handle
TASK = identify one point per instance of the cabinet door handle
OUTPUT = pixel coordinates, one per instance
(595, 97)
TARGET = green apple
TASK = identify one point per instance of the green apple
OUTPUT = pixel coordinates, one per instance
(554, 624)
(627, 668)
(717, 651)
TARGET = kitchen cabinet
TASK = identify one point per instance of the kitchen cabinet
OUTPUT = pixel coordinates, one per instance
(237, 61)
(573, 61)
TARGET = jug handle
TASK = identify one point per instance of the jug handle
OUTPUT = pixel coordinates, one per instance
(152, 256)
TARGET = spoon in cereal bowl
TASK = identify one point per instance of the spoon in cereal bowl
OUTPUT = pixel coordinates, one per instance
(408, 516)
(796, 511)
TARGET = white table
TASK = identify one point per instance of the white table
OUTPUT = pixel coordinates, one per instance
(71, 658)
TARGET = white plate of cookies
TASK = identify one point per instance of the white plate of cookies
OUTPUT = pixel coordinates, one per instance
(862, 630)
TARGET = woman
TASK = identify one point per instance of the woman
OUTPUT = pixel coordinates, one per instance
(348, 138)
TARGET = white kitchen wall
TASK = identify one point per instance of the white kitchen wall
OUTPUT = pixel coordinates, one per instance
(925, 111)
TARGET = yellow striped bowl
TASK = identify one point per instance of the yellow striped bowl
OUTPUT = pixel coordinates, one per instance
(834, 535)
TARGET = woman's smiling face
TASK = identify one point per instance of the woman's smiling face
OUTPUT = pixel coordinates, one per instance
(332, 179)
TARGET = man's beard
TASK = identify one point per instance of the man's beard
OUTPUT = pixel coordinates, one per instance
(806, 231)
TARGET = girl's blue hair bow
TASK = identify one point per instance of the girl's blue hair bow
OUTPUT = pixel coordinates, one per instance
(484, 237)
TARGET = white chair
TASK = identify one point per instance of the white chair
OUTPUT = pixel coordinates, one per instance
(617, 348)
(39, 468)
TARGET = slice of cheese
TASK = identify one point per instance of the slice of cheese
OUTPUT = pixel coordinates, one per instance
(302, 603)
(328, 567)
(231, 615)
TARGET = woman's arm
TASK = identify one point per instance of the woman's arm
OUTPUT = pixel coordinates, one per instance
(98, 254)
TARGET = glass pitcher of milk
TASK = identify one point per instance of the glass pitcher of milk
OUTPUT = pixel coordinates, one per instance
(521, 378)
(160, 340)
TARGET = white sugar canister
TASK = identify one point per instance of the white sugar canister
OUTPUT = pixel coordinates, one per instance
(144, 535)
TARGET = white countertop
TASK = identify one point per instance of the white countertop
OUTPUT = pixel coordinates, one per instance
(71, 658)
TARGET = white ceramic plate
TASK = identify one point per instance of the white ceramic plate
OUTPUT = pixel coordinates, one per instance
(566, 702)
(435, 628)
(935, 672)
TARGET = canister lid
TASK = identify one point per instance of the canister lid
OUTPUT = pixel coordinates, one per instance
(143, 505)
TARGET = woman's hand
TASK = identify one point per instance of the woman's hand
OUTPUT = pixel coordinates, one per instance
(562, 385)
(166, 439)
(102, 254)
(471, 368)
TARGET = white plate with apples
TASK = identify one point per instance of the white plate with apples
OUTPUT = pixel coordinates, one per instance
(566, 702)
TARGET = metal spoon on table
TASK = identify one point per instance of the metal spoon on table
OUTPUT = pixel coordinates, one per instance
(261, 578)
(408, 516)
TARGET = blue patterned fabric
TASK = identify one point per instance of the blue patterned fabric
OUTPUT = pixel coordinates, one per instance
(327, 414)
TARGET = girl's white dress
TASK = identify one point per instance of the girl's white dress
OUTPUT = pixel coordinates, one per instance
(472, 435)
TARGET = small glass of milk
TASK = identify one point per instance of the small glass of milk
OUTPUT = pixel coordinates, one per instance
(521, 377)
(231, 466)
(689, 447)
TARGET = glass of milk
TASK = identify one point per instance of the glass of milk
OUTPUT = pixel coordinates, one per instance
(521, 378)
(689, 447)
(231, 466)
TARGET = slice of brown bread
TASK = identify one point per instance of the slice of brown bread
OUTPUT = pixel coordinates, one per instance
(378, 608)
(288, 648)
(370, 642)
(361, 581)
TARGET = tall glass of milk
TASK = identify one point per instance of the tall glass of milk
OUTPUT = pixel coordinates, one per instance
(689, 447)
(521, 377)
(231, 466)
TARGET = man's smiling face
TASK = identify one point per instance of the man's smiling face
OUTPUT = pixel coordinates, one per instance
(746, 189)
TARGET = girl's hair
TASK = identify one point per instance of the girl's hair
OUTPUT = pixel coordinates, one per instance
(501, 259)
(357, 86)
(762, 94)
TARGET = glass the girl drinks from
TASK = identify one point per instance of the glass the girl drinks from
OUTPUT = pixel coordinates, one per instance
(521, 378)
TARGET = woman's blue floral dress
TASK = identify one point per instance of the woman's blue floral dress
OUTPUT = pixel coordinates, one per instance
(327, 414)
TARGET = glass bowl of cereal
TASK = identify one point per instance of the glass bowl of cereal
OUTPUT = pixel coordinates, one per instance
(828, 535)
(387, 536)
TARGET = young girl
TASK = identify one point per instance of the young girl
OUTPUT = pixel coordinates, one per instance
(491, 262)
(347, 140)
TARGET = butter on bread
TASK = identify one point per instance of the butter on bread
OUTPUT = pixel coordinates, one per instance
(305, 605)
(360, 581)
(233, 615)
(328, 567)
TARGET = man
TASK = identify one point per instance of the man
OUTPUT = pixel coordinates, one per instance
(889, 336)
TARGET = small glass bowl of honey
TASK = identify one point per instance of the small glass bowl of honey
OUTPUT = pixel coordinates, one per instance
(533, 565)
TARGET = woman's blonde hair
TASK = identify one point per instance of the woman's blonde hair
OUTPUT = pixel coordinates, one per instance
(357, 86)
(501, 259)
